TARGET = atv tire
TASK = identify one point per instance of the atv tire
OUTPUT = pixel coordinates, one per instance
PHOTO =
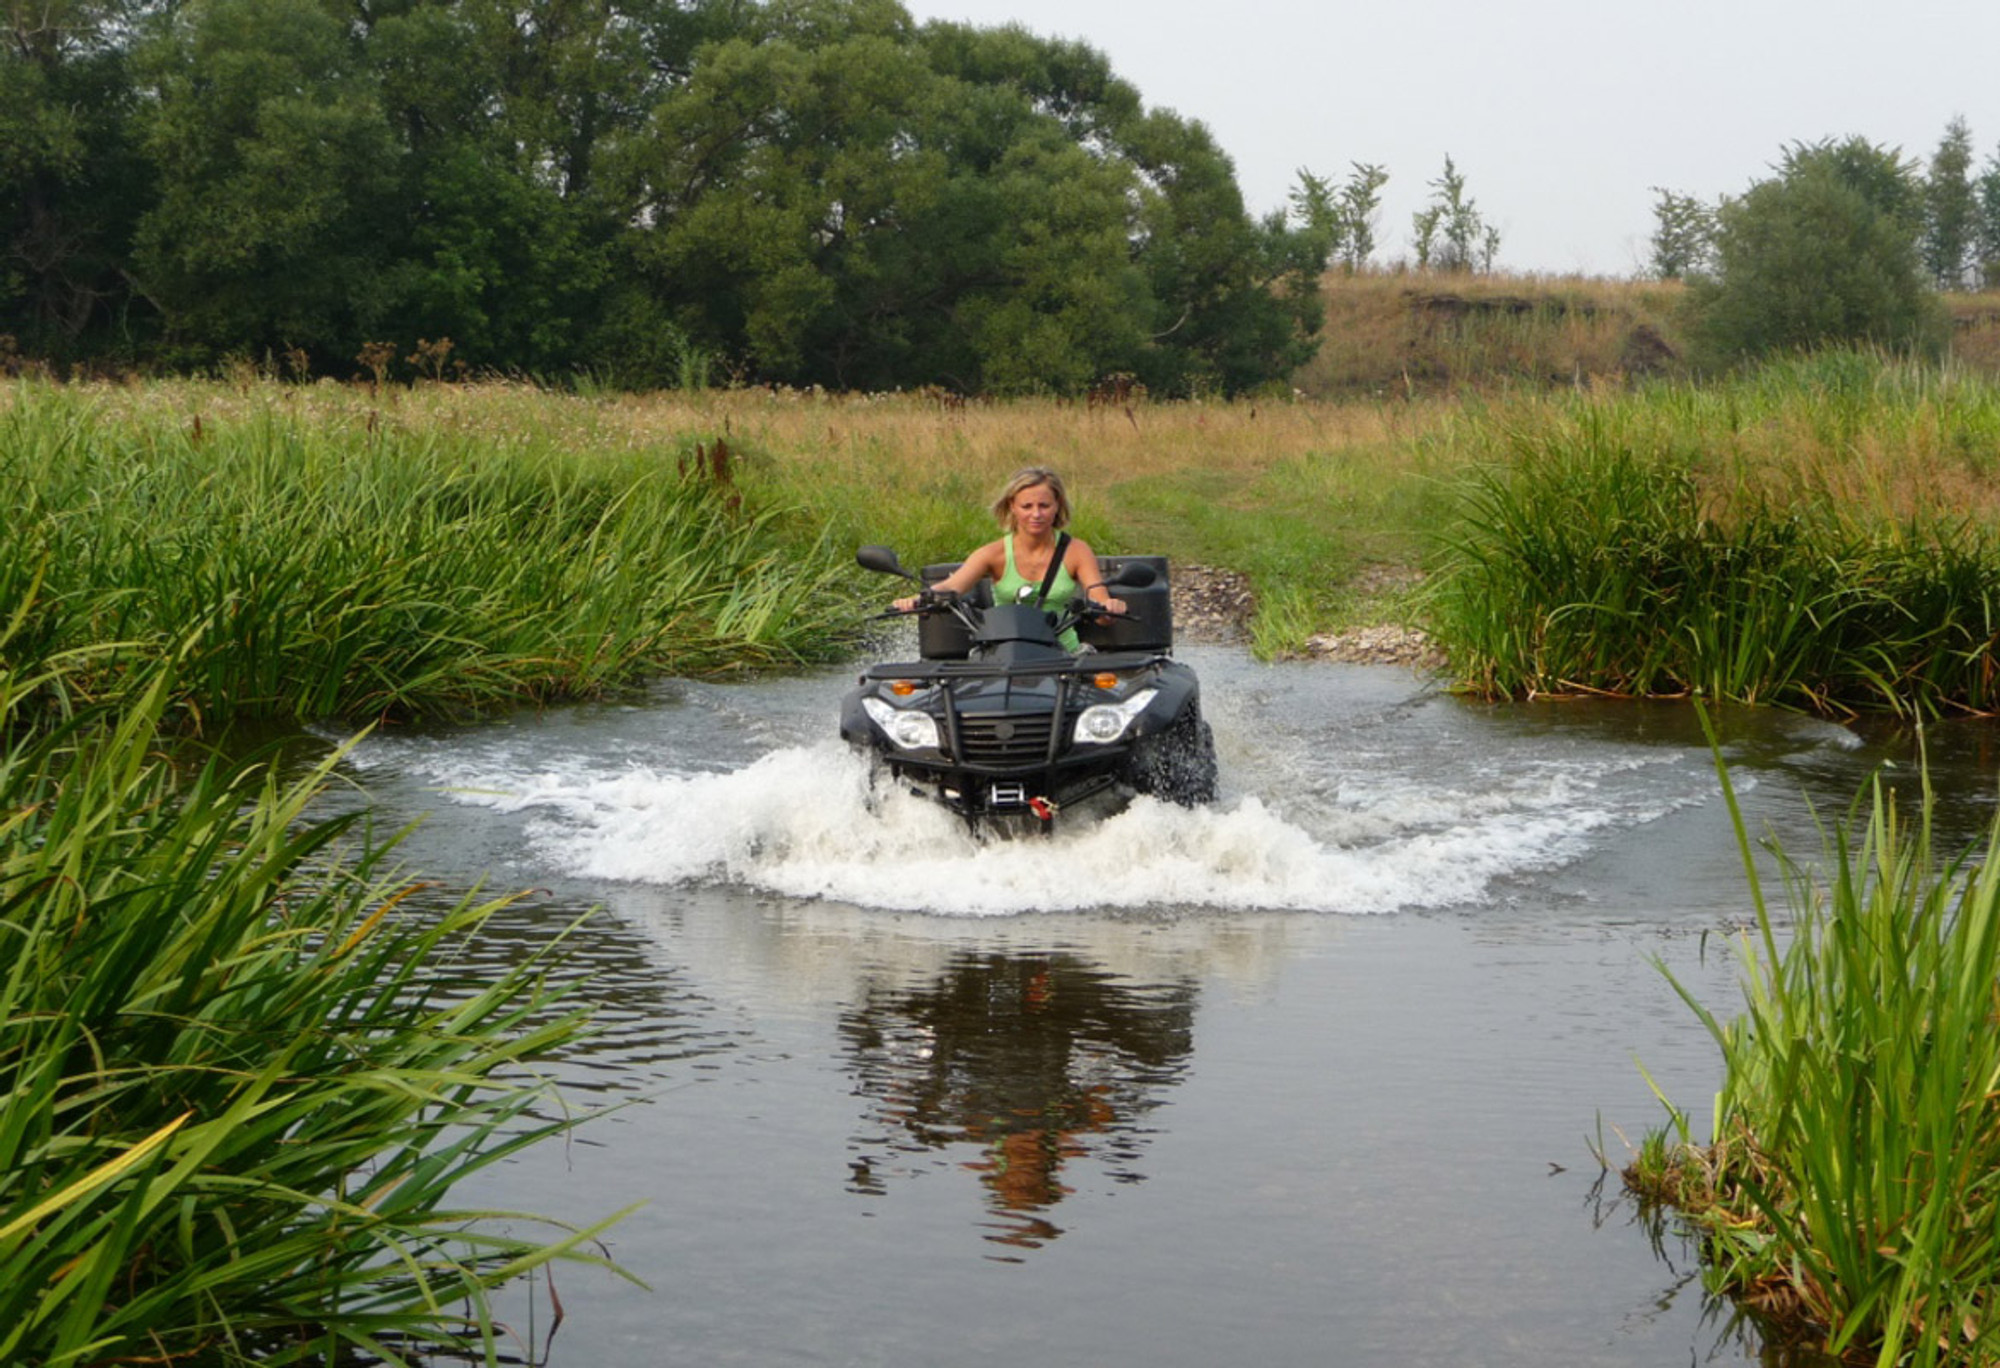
(1177, 765)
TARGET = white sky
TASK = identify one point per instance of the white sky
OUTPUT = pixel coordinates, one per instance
(1561, 114)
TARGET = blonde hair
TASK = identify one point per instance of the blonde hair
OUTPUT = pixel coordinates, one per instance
(1027, 478)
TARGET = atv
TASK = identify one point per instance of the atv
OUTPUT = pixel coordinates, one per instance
(1004, 727)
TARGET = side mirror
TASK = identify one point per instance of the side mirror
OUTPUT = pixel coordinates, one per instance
(881, 560)
(1134, 575)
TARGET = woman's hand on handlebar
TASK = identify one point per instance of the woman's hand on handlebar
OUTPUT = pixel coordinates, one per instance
(923, 598)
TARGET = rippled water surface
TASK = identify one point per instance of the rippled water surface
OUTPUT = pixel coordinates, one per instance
(1312, 1076)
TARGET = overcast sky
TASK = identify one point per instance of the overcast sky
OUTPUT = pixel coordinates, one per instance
(1560, 114)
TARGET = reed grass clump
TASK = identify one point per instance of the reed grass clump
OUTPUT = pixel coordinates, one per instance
(1820, 534)
(1848, 1191)
(238, 1078)
(305, 559)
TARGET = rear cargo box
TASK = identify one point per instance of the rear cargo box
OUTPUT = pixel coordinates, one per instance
(1150, 626)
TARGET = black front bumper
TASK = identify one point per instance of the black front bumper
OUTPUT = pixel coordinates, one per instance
(1006, 744)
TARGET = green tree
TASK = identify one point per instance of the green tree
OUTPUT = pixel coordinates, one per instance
(1360, 201)
(836, 198)
(1316, 210)
(500, 238)
(1986, 223)
(1228, 303)
(1237, 302)
(1824, 253)
(540, 86)
(1683, 241)
(1950, 209)
(844, 214)
(1891, 184)
(1449, 233)
(275, 166)
(498, 261)
(813, 191)
(72, 182)
(1340, 223)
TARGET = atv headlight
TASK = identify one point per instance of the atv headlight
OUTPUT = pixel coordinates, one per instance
(1106, 722)
(908, 728)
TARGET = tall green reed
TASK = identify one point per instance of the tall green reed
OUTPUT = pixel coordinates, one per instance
(238, 1080)
(1849, 1185)
(311, 564)
(1626, 547)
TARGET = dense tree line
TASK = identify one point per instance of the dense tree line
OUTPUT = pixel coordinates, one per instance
(1845, 242)
(1949, 215)
(648, 191)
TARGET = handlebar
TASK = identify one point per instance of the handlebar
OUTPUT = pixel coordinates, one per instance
(1082, 608)
(927, 601)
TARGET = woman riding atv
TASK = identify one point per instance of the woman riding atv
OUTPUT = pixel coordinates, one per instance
(1052, 693)
(1033, 510)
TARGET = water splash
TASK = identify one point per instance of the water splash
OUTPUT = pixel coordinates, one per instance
(813, 822)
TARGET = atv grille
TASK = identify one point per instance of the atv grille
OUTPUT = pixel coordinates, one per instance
(1014, 740)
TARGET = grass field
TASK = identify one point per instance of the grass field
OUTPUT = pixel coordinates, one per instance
(1818, 532)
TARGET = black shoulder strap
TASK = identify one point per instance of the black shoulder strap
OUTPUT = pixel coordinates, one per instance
(1055, 568)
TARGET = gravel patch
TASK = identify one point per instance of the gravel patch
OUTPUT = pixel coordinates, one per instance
(1214, 606)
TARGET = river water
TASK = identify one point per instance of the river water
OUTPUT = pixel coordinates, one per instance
(1314, 1076)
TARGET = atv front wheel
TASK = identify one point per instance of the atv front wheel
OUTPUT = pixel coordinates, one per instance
(1177, 764)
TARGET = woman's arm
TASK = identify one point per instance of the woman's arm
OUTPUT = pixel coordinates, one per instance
(1089, 576)
(981, 564)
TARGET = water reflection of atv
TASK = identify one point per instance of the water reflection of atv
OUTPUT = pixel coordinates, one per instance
(1043, 1066)
(998, 721)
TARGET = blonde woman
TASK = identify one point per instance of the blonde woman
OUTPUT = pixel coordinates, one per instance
(1032, 510)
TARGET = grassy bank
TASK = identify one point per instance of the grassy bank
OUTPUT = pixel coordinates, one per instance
(1819, 534)
(240, 1081)
(1846, 1188)
(328, 550)
(1301, 498)
(304, 554)
(1816, 533)
(1403, 334)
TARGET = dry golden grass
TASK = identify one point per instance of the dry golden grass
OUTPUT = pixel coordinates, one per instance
(1885, 479)
(1975, 331)
(903, 440)
(1301, 497)
(909, 441)
(1269, 488)
(1408, 333)
(1908, 444)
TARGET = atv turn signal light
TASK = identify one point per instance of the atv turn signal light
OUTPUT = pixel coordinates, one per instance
(1106, 680)
(902, 688)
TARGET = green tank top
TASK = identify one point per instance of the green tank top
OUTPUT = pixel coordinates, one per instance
(1008, 587)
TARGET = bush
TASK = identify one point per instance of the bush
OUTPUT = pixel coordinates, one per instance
(1823, 254)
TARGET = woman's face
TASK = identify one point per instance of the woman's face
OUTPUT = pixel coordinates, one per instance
(1034, 510)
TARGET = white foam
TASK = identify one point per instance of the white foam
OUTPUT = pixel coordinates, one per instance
(808, 822)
